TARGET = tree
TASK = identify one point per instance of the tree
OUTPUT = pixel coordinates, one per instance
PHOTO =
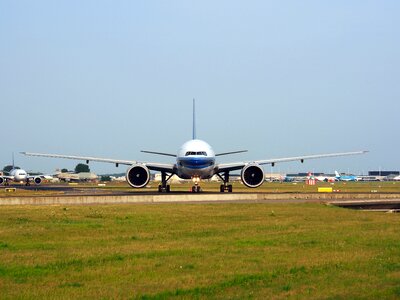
(105, 178)
(8, 168)
(64, 170)
(82, 168)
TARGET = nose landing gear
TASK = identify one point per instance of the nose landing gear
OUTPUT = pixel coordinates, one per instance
(196, 188)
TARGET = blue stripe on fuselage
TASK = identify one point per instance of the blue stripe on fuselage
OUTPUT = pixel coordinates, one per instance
(196, 162)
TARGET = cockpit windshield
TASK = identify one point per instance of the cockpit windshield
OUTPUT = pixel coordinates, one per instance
(189, 153)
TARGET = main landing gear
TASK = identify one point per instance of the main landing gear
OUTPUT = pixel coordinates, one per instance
(164, 187)
(226, 186)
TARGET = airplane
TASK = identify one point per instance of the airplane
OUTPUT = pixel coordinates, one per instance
(325, 178)
(17, 174)
(195, 160)
(345, 177)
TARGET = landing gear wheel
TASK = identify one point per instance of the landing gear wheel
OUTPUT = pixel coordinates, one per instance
(196, 189)
(227, 188)
(162, 189)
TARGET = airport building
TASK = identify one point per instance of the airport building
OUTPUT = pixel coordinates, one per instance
(383, 173)
(84, 176)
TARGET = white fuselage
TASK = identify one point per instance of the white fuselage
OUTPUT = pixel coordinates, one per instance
(195, 159)
(326, 178)
(19, 174)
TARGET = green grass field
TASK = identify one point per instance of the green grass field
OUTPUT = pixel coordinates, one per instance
(218, 251)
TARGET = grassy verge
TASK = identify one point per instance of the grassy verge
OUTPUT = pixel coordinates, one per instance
(198, 251)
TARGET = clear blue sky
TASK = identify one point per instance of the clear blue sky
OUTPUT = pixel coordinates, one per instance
(279, 78)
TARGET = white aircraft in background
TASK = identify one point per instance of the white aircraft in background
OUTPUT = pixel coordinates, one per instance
(325, 178)
(19, 175)
(195, 160)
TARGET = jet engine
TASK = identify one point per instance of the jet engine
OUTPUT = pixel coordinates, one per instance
(138, 176)
(37, 180)
(252, 175)
(1, 180)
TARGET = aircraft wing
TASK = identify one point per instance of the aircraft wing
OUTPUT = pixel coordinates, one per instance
(47, 177)
(239, 165)
(152, 166)
(7, 177)
(169, 168)
(87, 158)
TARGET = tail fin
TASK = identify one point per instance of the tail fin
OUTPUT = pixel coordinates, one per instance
(337, 174)
(194, 119)
(13, 164)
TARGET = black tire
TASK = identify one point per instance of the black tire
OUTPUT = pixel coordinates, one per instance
(230, 188)
(159, 189)
(198, 189)
(222, 188)
(168, 189)
(193, 189)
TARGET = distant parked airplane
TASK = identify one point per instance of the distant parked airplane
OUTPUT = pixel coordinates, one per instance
(19, 175)
(325, 178)
(195, 160)
(345, 177)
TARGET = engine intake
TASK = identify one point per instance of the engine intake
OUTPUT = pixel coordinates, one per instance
(252, 175)
(138, 176)
(1, 180)
(37, 180)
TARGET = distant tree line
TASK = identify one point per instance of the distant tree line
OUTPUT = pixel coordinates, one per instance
(82, 168)
(8, 168)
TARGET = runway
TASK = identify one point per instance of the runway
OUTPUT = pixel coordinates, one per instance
(73, 195)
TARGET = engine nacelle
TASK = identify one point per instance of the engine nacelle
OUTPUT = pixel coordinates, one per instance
(1, 180)
(138, 176)
(37, 180)
(252, 175)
